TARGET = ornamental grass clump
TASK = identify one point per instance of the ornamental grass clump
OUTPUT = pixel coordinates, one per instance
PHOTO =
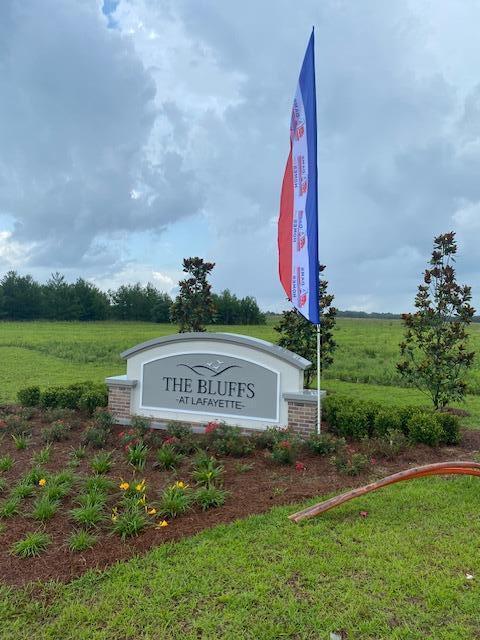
(102, 462)
(89, 513)
(168, 458)
(81, 540)
(21, 441)
(137, 455)
(10, 507)
(210, 497)
(206, 470)
(32, 545)
(6, 463)
(42, 456)
(175, 500)
(133, 513)
(44, 508)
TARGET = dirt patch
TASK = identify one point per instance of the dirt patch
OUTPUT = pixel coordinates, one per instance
(255, 484)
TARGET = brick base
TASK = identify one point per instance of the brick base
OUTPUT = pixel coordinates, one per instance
(302, 417)
(119, 401)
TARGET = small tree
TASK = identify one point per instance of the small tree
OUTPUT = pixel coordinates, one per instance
(194, 306)
(300, 336)
(434, 351)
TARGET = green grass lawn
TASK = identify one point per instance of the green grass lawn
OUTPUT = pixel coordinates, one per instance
(62, 352)
(399, 573)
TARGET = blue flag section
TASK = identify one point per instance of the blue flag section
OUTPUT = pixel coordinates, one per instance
(298, 220)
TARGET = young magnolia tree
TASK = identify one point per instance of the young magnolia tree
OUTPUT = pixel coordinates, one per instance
(300, 336)
(194, 306)
(434, 352)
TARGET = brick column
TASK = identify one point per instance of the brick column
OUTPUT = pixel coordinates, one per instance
(119, 396)
(302, 412)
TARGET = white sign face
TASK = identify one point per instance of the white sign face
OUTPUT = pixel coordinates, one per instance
(211, 383)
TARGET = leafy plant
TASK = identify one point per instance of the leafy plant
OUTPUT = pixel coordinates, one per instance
(103, 418)
(22, 490)
(351, 464)
(6, 463)
(284, 452)
(81, 540)
(79, 453)
(228, 440)
(130, 521)
(137, 455)
(17, 425)
(98, 484)
(88, 515)
(29, 396)
(42, 456)
(33, 476)
(178, 430)
(59, 485)
(324, 444)
(44, 508)
(168, 458)
(141, 425)
(56, 432)
(21, 441)
(388, 446)
(270, 437)
(95, 437)
(3, 484)
(208, 497)
(450, 427)
(102, 462)
(425, 428)
(175, 500)
(32, 545)
(434, 352)
(206, 470)
(10, 507)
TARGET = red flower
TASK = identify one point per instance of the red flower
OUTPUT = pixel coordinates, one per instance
(299, 466)
(285, 444)
(211, 427)
(170, 440)
(373, 461)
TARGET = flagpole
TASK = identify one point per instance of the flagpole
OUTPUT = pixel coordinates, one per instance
(319, 402)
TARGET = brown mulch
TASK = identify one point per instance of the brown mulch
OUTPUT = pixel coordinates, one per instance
(251, 492)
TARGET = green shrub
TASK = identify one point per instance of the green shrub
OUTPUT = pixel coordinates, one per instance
(178, 430)
(388, 446)
(17, 425)
(103, 418)
(351, 464)
(425, 428)
(226, 440)
(95, 437)
(208, 497)
(31, 545)
(81, 540)
(270, 437)
(451, 428)
(56, 432)
(29, 396)
(386, 420)
(141, 425)
(168, 457)
(284, 452)
(92, 399)
(324, 444)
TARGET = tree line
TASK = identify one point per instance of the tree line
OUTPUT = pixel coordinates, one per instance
(22, 298)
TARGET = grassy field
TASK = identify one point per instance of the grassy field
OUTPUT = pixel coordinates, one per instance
(58, 353)
(400, 573)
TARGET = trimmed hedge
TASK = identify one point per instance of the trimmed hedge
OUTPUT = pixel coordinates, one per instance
(359, 419)
(80, 395)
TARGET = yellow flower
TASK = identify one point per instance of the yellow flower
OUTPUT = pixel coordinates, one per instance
(181, 485)
(161, 524)
(142, 500)
(114, 518)
(152, 512)
(140, 486)
(42, 482)
(124, 486)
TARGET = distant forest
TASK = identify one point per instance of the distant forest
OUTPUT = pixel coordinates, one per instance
(22, 298)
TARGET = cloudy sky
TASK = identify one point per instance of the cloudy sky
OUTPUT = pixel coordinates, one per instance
(134, 133)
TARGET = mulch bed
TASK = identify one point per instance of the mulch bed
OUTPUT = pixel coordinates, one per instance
(251, 492)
